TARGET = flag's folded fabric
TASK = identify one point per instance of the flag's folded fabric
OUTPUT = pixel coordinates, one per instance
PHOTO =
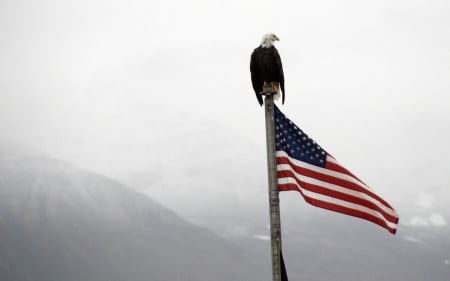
(283, 268)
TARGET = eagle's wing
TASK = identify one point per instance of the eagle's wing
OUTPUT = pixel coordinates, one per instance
(255, 81)
(280, 73)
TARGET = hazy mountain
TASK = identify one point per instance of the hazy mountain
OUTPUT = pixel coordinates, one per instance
(322, 245)
(318, 244)
(58, 222)
(336, 247)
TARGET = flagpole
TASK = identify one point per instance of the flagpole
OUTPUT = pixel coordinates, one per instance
(274, 206)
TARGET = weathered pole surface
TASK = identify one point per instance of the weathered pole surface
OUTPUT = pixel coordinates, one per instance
(274, 206)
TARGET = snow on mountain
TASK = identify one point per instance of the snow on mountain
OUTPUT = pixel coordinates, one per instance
(58, 222)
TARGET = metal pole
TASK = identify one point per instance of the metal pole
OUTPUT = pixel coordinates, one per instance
(274, 206)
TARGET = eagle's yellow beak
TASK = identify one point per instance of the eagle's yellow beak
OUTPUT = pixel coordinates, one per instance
(276, 38)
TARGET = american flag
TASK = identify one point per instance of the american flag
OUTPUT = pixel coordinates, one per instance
(304, 166)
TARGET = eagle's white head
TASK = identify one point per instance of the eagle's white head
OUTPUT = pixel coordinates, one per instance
(268, 40)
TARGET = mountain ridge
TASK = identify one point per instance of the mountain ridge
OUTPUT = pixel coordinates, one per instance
(62, 223)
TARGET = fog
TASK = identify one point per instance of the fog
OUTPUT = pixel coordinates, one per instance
(158, 95)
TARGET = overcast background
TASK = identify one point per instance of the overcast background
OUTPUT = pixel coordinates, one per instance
(157, 94)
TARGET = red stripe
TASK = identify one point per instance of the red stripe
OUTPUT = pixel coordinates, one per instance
(341, 209)
(288, 187)
(350, 212)
(338, 168)
(330, 179)
(335, 194)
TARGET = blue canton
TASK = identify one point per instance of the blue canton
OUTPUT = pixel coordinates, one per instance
(293, 141)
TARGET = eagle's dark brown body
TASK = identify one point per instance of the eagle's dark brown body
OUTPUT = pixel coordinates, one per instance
(265, 66)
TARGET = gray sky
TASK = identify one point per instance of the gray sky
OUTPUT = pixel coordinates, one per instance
(128, 88)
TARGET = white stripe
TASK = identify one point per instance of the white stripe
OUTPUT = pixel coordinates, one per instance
(314, 168)
(338, 188)
(339, 202)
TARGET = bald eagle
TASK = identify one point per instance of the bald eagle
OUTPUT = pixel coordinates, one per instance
(266, 68)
